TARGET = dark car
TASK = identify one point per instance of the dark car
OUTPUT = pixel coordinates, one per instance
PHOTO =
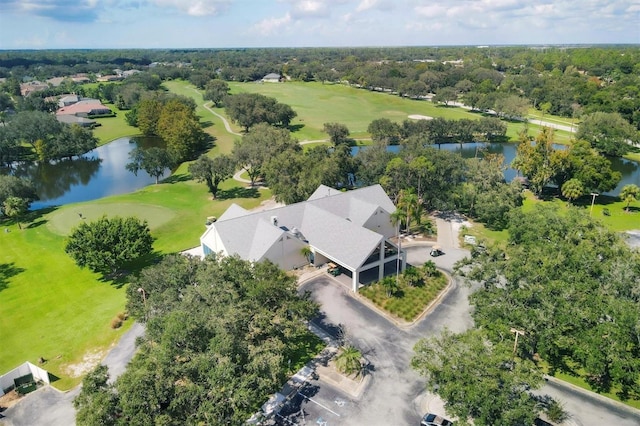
(436, 251)
(431, 419)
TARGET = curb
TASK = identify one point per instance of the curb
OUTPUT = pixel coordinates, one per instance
(594, 395)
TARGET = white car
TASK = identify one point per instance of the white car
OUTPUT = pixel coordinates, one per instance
(431, 419)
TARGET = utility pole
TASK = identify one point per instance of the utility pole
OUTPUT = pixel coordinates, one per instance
(593, 200)
(517, 333)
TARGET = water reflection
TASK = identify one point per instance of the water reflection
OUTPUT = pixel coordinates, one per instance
(53, 180)
(630, 169)
(96, 174)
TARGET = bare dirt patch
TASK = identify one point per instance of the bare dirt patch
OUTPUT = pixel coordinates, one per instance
(89, 361)
(9, 399)
(269, 204)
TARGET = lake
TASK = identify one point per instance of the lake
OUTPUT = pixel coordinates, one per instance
(96, 174)
(630, 169)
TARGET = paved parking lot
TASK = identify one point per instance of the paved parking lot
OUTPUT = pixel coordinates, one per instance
(395, 394)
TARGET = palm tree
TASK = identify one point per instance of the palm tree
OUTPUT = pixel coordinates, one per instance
(429, 268)
(408, 201)
(390, 285)
(629, 194)
(349, 361)
(396, 219)
(572, 189)
(306, 252)
(412, 277)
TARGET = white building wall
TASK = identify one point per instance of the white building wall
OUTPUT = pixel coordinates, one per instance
(380, 222)
(287, 253)
(211, 243)
(6, 380)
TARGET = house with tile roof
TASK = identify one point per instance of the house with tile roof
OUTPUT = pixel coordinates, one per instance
(350, 229)
(85, 108)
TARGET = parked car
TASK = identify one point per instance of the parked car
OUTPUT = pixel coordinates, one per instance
(431, 419)
(436, 251)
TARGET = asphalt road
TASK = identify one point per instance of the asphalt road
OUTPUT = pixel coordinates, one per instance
(396, 394)
(50, 407)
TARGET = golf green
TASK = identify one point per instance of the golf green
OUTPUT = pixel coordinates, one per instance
(64, 220)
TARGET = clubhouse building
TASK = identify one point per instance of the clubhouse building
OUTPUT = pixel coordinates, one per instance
(350, 229)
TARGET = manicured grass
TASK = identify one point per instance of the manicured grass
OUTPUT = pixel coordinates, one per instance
(408, 302)
(64, 220)
(318, 103)
(112, 128)
(50, 308)
(576, 379)
(53, 309)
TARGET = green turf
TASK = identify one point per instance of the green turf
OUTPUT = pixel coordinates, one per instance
(64, 220)
(52, 309)
(112, 128)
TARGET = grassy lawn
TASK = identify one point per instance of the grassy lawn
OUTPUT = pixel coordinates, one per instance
(50, 308)
(318, 103)
(112, 128)
(212, 125)
(53, 309)
(408, 302)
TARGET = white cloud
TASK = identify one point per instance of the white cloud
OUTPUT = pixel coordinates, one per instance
(310, 8)
(196, 8)
(271, 25)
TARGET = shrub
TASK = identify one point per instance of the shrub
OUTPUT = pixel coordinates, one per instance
(116, 323)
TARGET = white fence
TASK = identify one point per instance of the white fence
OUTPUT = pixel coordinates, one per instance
(6, 380)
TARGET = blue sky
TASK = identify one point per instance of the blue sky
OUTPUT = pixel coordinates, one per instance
(41, 24)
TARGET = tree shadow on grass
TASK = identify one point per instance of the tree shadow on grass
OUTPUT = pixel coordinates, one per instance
(8, 270)
(123, 276)
(183, 177)
(238, 192)
(296, 127)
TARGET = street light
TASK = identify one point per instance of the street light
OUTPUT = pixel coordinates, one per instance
(593, 200)
(144, 300)
(518, 333)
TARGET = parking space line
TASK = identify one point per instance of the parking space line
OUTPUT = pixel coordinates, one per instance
(323, 406)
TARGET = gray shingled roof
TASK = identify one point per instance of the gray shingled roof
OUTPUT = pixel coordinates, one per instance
(332, 223)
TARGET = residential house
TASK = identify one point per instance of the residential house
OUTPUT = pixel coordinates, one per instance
(271, 78)
(85, 108)
(350, 229)
(33, 86)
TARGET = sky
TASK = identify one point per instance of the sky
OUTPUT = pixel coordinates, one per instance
(67, 24)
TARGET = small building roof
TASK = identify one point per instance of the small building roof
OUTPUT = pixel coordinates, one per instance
(85, 106)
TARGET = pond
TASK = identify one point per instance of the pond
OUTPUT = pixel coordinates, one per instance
(630, 169)
(96, 174)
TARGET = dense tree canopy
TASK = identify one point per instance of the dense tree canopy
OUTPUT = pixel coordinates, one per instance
(248, 109)
(543, 164)
(216, 91)
(14, 187)
(220, 333)
(609, 133)
(212, 171)
(179, 127)
(107, 244)
(259, 145)
(479, 380)
(570, 283)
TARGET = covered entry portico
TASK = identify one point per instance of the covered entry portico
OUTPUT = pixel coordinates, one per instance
(384, 259)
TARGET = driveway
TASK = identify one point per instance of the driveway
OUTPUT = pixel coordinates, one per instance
(396, 394)
(51, 407)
